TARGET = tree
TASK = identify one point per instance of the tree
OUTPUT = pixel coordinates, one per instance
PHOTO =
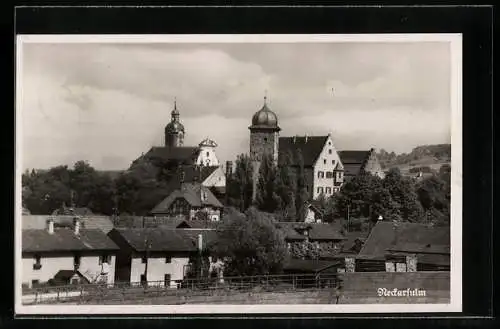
(435, 199)
(250, 244)
(267, 198)
(302, 195)
(240, 185)
(403, 192)
(287, 188)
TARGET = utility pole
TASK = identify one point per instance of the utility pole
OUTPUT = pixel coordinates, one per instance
(147, 244)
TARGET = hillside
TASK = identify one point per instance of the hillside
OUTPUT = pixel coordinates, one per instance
(424, 155)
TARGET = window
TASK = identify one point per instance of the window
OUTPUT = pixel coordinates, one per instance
(320, 190)
(329, 143)
(35, 283)
(37, 265)
(104, 259)
(143, 279)
(144, 259)
(329, 174)
(328, 190)
(167, 280)
(265, 139)
(208, 154)
(330, 151)
(339, 175)
(168, 259)
(324, 161)
(333, 162)
(321, 174)
(214, 259)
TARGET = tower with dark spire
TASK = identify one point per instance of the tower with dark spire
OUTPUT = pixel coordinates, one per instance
(174, 130)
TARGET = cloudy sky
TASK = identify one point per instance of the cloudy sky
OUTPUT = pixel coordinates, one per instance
(108, 103)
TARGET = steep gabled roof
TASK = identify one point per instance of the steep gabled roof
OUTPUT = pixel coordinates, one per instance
(354, 156)
(405, 236)
(191, 192)
(64, 239)
(354, 161)
(184, 154)
(310, 147)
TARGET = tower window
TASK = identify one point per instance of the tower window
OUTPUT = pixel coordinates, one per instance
(208, 154)
(324, 161)
(330, 151)
(333, 162)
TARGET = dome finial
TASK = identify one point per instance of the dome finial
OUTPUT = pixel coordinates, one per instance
(175, 102)
(265, 97)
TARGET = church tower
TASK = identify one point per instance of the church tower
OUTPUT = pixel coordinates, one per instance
(174, 130)
(264, 135)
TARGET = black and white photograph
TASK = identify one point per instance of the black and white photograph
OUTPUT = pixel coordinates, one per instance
(181, 174)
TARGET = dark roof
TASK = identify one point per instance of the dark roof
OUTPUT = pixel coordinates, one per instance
(65, 275)
(308, 265)
(162, 239)
(198, 224)
(310, 147)
(406, 247)
(192, 173)
(317, 231)
(191, 192)
(64, 239)
(385, 235)
(69, 211)
(353, 161)
(102, 223)
(184, 154)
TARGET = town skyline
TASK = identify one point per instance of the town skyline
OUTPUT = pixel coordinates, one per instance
(108, 103)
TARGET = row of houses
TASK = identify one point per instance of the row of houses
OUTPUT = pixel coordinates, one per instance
(64, 250)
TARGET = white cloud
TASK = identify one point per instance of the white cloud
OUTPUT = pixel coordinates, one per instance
(109, 103)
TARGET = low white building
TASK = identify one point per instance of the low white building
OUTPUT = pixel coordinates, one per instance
(60, 256)
(158, 256)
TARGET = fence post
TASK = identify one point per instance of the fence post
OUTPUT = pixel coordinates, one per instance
(293, 281)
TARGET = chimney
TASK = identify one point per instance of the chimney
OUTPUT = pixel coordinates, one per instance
(77, 223)
(306, 138)
(200, 242)
(50, 225)
(294, 139)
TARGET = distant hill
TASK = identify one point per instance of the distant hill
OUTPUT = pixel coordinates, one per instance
(432, 156)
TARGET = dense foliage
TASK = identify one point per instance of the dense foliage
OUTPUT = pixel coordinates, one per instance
(250, 244)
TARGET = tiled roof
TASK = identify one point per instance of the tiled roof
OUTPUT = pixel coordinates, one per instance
(198, 224)
(161, 239)
(385, 235)
(68, 211)
(420, 248)
(310, 147)
(102, 223)
(192, 173)
(185, 154)
(64, 239)
(353, 157)
(317, 231)
(191, 192)
(353, 161)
